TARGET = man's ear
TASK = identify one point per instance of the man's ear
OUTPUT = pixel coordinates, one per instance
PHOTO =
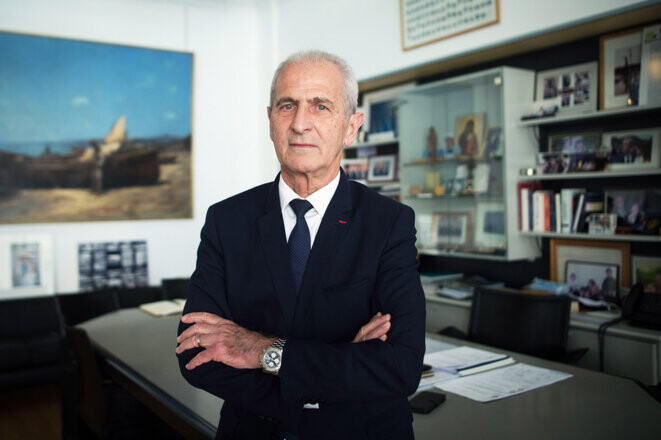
(268, 112)
(355, 121)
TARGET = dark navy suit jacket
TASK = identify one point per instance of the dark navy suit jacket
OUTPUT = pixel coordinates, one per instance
(363, 261)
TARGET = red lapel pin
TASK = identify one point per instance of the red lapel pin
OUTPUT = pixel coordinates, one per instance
(343, 222)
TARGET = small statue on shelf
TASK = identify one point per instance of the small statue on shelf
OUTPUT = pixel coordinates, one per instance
(432, 143)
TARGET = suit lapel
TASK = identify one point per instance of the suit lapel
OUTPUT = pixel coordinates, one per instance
(272, 234)
(333, 229)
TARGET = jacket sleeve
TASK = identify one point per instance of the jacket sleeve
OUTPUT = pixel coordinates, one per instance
(372, 370)
(248, 389)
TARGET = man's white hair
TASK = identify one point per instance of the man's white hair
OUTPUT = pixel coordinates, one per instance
(350, 95)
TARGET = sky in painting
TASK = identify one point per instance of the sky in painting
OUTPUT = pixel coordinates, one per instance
(55, 90)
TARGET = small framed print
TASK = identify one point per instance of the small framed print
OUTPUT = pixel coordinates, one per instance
(452, 228)
(30, 268)
(647, 271)
(469, 133)
(493, 145)
(619, 61)
(633, 149)
(574, 142)
(602, 224)
(381, 110)
(356, 169)
(490, 227)
(382, 168)
(595, 281)
(574, 86)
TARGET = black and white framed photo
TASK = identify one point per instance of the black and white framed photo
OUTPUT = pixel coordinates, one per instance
(112, 264)
(575, 86)
(619, 61)
(594, 281)
(381, 109)
(490, 225)
(356, 169)
(30, 265)
(646, 270)
(493, 145)
(633, 149)
(452, 228)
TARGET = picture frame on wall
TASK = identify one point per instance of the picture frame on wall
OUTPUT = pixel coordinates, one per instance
(620, 63)
(594, 281)
(646, 270)
(452, 228)
(575, 87)
(381, 110)
(633, 149)
(490, 225)
(382, 168)
(30, 265)
(606, 252)
(356, 169)
(108, 137)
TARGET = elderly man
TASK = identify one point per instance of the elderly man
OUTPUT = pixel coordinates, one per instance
(305, 311)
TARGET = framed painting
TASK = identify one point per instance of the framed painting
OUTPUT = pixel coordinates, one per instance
(92, 131)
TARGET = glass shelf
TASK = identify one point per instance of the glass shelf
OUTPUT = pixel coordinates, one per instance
(550, 120)
(469, 159)
(591, 175)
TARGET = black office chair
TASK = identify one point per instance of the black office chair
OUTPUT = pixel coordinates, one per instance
(79, 307)
(175, 288)
(106, 410)
(136, 296)
(532, 324)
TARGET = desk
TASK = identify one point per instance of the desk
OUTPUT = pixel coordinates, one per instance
(589, 405)
(628, 351)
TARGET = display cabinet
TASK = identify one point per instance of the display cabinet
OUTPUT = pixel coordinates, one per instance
(461, 145)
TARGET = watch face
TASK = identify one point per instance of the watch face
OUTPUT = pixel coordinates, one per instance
(272, 360)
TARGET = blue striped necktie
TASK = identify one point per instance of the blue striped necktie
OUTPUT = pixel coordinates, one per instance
(299, 241)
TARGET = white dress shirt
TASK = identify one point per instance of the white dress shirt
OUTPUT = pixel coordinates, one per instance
(320, 199)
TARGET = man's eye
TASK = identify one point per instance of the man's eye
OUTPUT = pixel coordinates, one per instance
(321, 107)
(288, 106)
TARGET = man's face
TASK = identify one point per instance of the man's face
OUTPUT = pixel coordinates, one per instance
(308, 124)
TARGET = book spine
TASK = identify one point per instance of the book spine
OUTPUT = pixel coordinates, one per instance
(558, 213)
(578, 212)
(546, 200)
(524, 207)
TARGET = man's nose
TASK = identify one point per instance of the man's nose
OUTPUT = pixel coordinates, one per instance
(302, 120)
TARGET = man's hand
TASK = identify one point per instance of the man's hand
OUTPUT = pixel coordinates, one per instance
(377, 328)
(222, 340)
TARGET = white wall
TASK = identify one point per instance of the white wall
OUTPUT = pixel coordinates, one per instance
(367, 32)
(231, 149)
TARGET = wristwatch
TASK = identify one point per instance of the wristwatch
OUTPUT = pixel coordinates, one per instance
(271, 357)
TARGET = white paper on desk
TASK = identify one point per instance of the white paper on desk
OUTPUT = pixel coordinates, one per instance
(434, 345)
(461, 357)
(503, 382)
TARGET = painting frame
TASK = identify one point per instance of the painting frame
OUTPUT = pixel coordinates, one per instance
(617, 157)
(571, 84)
(445, 240)
(490, 227)
(142, 169)
(382, 168)
(464, 133)
(31, 268)
(609, 47)
(609, 252)
(653, 284)
(380, 107)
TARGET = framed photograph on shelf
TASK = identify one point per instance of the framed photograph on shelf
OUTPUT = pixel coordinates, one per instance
(650, 75)
(575, 86)
(29, 270)
(647, 271)
(490, 225)
(452, 228)
(552, 163)
(381, 110)
(619, 61)
(574, 142)
(493, 144)
(382, 168)
(629, 206)
(633, 149)
(469, 133)
(613, 253)
(595, 281)
(426, 234)
(356, 169)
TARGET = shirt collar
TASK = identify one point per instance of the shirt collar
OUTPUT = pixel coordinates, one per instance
(320, 199)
